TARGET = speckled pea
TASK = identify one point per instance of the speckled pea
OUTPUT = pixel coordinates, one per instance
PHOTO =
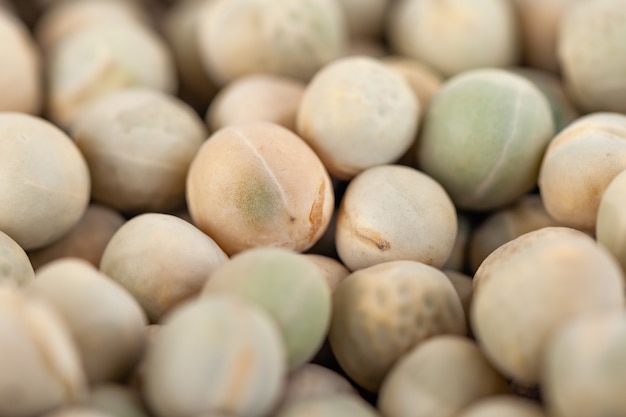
(382, 312)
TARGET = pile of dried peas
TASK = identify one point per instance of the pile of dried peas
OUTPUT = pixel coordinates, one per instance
(253, 208)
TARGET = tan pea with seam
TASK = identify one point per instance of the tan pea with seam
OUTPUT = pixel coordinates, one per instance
(259, 184)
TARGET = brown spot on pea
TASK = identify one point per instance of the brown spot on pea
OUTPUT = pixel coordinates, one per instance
(373, 237)
(316, 212)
